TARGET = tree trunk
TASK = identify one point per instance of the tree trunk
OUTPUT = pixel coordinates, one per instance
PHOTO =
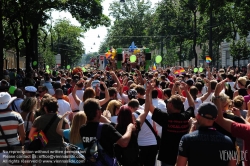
(1, 39)
(194, 40)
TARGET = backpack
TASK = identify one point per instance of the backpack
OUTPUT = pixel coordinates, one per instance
(96, 155)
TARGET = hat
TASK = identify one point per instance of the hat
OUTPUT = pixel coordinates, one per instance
(30, 89)
(132, 93)
(190, 82)
(208, 110)
(5, 100)
(242, 81)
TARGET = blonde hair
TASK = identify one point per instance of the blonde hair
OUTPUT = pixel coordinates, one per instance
(28, 104)
(79, 119)
(113, 104)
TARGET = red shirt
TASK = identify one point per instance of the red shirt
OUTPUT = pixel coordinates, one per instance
(243, 131)
(170, 78)
(159, 93)
(125, 88)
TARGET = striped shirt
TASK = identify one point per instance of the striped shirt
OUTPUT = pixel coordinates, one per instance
(10, 121)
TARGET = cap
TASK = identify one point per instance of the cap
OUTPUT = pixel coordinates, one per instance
(30, 89)
(208, 110)
(132, 93)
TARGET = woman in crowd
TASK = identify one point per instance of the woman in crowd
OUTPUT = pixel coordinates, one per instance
(114, 107)
(28, 107)
(129, 156)
(238, 103)
(73, 134)
(55, 141)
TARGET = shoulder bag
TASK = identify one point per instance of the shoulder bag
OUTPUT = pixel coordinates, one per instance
(157, 137)
(39, 139)
(13, 150)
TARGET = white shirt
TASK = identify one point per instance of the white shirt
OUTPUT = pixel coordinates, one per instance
(73, 105)
(209, 98)
(146, 136)
(204, 90)
(232, 85)
(158, 103)
(64, 106)
(197, 103)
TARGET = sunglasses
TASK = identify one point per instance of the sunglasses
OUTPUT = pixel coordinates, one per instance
(40, 91)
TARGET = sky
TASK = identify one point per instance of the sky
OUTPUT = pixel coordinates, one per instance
(91, 40)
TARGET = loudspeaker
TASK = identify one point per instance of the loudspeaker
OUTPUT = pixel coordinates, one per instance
(148, 56)
(119, 57)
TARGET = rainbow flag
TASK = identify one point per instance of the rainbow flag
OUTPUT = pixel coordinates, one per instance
(43, 138)
(208, 59)
(179, 71)
(40, 136)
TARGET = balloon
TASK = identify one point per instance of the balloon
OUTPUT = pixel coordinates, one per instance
(47, 66)
(12, 90)
(113, 53)
(83, 69)
(200, 69)
(158, 59)
(195, 70)
(132, 58)
(68, 66)
(34, 63)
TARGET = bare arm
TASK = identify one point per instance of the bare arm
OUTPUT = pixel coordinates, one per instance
(107, 97)
(77, 100)
(206, 95)
(189, 97)
(124, 140)
(143, 116)
(225, 123)
(115, 79)
(22, 134)
(181, 161)
(59, 129)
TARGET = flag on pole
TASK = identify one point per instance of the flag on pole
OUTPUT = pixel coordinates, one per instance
(154, 67)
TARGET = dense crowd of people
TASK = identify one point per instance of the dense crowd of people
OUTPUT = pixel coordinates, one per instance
(141, 118)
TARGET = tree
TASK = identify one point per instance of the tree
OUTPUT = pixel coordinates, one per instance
(240, 49)
(131, 19)
(67, 43)
(32, 14)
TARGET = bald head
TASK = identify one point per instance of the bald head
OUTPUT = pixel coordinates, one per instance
(59, 93)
